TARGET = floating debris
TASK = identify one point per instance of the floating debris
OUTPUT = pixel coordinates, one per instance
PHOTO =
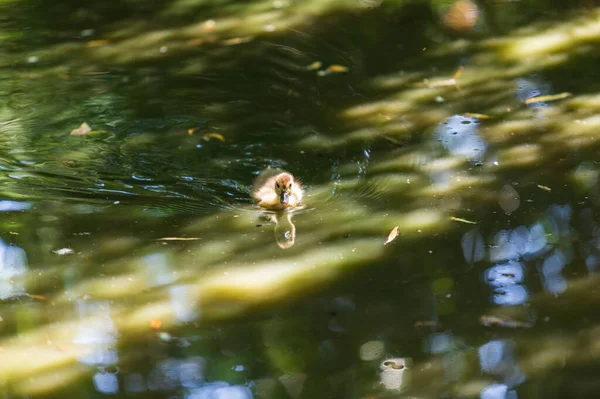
(209, 26)
(392, 373)
(237, 40)
(97, 43)
(195, 42)
(217, 136)
(81, 130)
(443, 83)
(461, 220)
(545, 188)
(426, 323)
(63, 251)
(550, 97)
(177, 239)
(333, 69)
(478, 116)
(393, 364)
(392, 236)
(314, 66)
(495, 321)
(155, 324)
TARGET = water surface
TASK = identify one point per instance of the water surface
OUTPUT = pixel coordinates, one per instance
(134, 264)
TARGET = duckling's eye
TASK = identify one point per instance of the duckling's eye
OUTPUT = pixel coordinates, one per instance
(277, 185)
(290, 186)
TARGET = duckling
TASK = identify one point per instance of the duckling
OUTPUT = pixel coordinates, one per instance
(275, 189)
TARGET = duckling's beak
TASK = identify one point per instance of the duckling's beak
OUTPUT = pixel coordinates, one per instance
(284, 198)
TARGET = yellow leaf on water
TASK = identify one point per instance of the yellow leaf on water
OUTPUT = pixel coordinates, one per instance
(337, 68)
(195, 42)
(217, 136)
(546, 188)
(155, 324)
(459, 72)
(333, 69)
(97, 43)
(177, 239)
(478, 116)
(315, 65)
(392, 236)
(191, 131)
(81, 130)
(237, 40)
(461, 220)
(551, 97)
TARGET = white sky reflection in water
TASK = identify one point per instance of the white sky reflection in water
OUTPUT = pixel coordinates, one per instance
(97, 334)
(183, 303)
(506, 279)
(220, 390)
(551, 271)
(106, 382)
(460, 136)
(497, 358)
(13, 263)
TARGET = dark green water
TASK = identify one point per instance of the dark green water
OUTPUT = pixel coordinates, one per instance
(490, 289)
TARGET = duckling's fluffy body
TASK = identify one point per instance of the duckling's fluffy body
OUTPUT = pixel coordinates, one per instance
(276, 189)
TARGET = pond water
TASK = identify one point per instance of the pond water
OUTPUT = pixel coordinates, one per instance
(449, 242)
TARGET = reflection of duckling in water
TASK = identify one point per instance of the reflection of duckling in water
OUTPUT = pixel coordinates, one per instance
(275, 189)
(278, 191)
(285, 230)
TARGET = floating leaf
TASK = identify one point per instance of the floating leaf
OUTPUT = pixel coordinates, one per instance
(217, 136)
(97, 43)
(426, 323)
(550, 97)
(62, 348)
(195, 42)
(333, 69)
(443, 83)
(237, 40)
(63, 251)
(178, 239)
(495, 321)
(209, 26)
(461, 220)
(155, 324)
(38, 297)
(314, 66)
(478, 116)
(81, 130)
(337, 68)
(392, 236)
(546, 188)
(508, 199)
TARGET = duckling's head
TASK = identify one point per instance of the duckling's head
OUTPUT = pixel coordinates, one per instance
(284, 186)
